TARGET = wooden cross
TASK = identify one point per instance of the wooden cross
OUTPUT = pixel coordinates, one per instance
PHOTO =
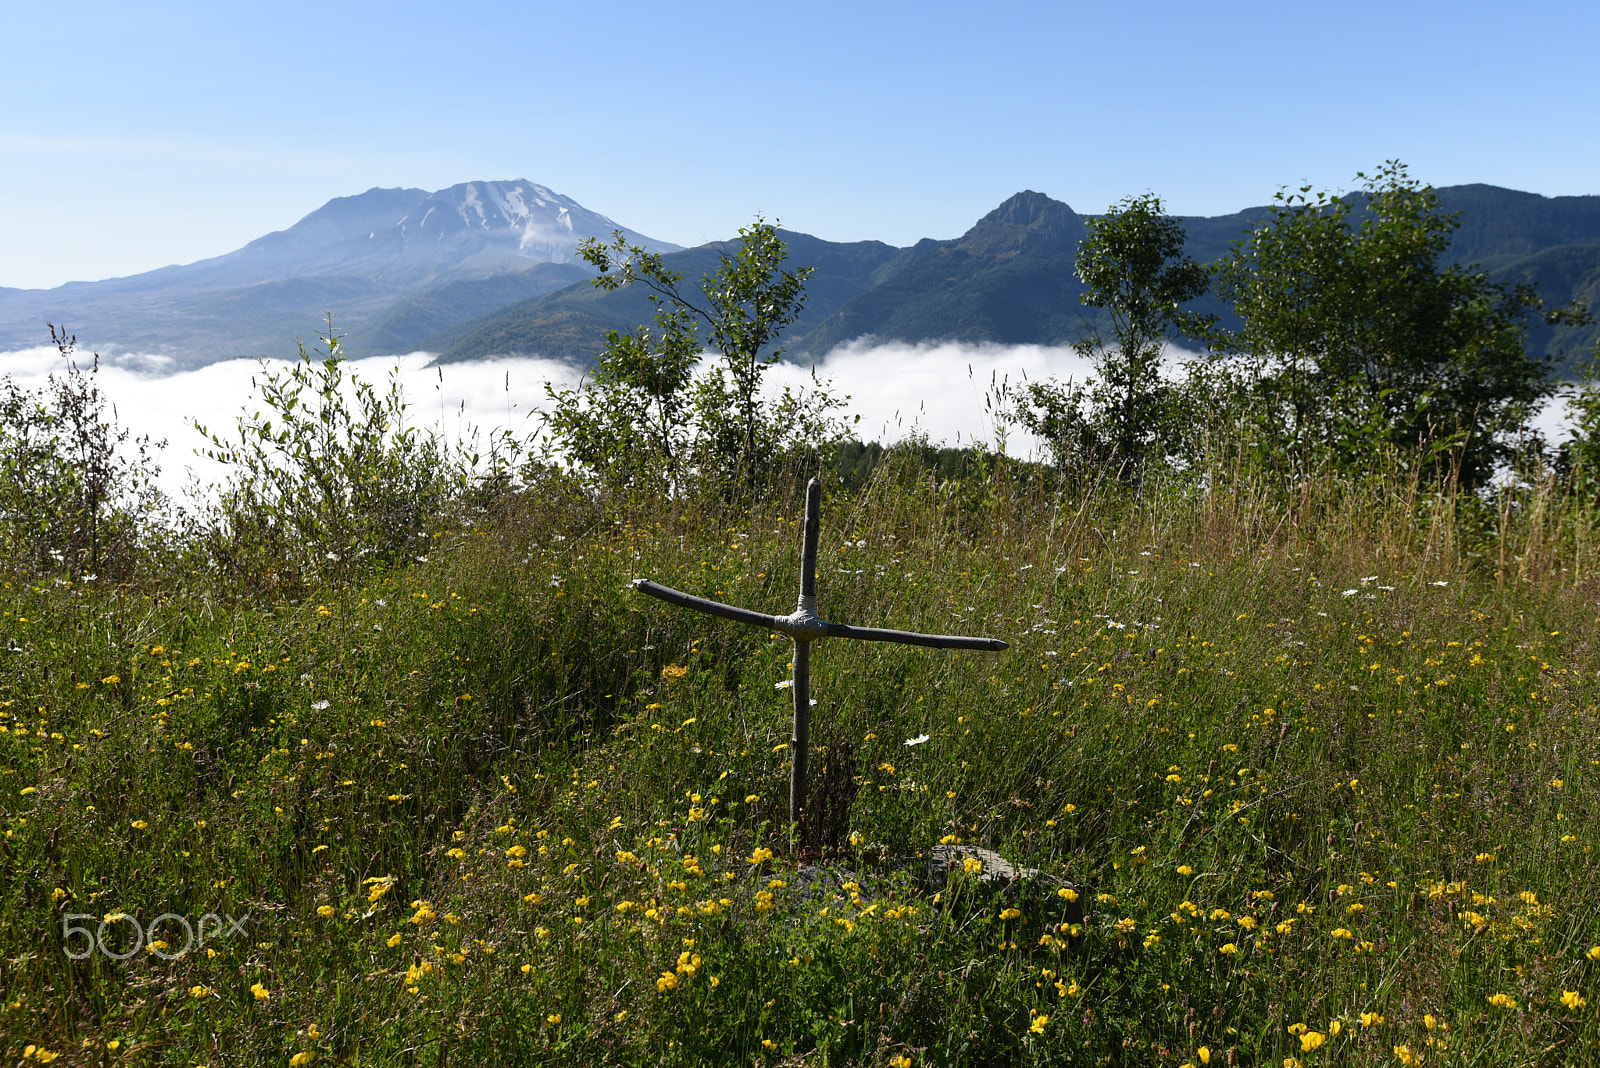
(804, 626)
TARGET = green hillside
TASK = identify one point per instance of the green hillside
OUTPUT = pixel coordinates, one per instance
(410, 324)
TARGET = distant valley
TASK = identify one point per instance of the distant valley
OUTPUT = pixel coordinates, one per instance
(489, 268)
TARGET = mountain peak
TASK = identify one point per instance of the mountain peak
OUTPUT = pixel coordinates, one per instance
(1025, 219)
(1028, 208)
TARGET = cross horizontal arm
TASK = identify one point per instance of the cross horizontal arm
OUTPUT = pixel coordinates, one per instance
(811, 628)
(907, 637)
(700, 604)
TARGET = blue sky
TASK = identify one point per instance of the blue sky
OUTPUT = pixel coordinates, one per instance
(137, 135)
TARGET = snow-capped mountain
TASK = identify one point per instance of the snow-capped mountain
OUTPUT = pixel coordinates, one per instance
(475, 229)
(362, 257)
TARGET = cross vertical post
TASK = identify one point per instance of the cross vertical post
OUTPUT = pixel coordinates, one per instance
(800, 742)
(804, 626)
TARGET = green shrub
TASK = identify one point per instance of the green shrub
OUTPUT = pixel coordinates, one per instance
(329, 478)
(77, 492)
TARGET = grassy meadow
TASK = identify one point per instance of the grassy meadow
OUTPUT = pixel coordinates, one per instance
(1321, 774)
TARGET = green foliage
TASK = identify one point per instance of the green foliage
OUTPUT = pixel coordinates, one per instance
(329, 477)
(77, 494)
(1354, 335)
(1132, 264)
(633, 421)
(645, 417)
(1579, 456)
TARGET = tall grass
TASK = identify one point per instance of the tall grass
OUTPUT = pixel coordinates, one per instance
(1321, 765)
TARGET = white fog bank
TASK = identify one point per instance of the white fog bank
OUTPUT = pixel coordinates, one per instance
(455, 399)
(898, 390)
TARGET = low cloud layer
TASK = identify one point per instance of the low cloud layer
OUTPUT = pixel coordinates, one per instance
(455, 399)
(944, 391)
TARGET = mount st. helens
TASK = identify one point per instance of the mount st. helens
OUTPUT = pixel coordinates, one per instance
(394, 264)
(487, 268)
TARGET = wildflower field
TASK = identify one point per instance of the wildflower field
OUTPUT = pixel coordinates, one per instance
(1317, 781)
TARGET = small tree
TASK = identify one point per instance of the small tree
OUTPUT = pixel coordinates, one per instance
(645, 415)
(632, 419)
(1132, 264)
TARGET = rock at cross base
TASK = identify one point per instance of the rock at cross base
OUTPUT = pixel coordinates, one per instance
(997, 870)
(1005, 880)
